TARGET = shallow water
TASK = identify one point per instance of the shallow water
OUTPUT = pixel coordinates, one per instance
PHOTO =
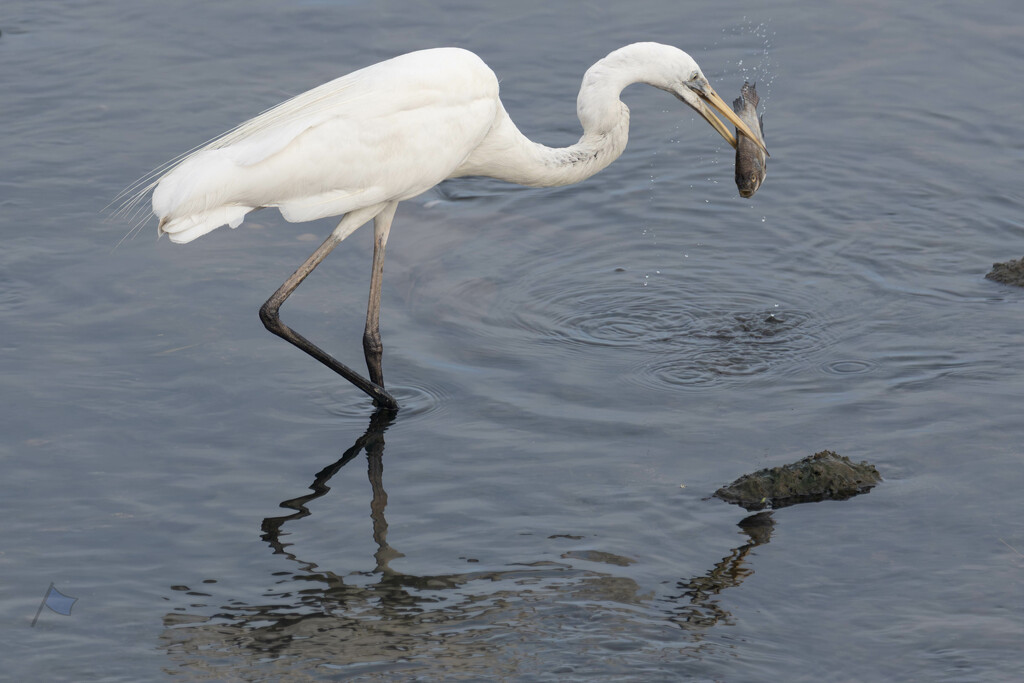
(579, 368)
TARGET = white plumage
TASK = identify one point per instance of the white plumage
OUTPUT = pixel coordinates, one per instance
(387, 132)
(358, 145)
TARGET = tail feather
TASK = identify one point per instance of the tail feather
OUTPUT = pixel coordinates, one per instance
(186, 228)
(192, 199)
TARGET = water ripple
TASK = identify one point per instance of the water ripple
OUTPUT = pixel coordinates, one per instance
(693, 333)
(414, 400)
(848, 367)
(609, 314)
(725, 344)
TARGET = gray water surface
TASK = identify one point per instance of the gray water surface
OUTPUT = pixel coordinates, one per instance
(579, 368)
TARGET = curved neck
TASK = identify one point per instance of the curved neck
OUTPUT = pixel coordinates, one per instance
(542, 166)
(509, 155)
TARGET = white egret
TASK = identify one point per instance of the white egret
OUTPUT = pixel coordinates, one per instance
(360, 144)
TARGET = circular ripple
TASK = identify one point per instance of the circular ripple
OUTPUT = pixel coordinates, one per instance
(413, 401)
(727, 345)
(848, 367)
(614, 314)
(418, 401)
(700, 322)
(697, 337)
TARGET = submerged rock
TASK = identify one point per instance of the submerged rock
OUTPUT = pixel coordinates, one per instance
(823, 476)
(1010, 273)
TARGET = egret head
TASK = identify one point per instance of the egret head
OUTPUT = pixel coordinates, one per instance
(669, 68)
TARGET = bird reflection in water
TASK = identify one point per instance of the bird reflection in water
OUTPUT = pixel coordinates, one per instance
(460, 624)
(373, 442)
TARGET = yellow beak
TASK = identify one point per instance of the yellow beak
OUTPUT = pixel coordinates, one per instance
(707, 94)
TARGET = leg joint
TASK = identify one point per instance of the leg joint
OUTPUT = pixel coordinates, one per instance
(372, 344)
(269, 316)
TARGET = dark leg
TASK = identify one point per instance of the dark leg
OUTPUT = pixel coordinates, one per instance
(272, 321)
(373, 348)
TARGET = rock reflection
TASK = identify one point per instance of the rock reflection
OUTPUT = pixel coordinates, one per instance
(475, 624)
(697, 607)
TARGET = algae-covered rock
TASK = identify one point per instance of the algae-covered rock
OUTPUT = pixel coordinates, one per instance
(823, 476)
(1010, 273)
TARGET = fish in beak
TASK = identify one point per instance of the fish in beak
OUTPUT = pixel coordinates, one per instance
(704, 98)
(751, 165)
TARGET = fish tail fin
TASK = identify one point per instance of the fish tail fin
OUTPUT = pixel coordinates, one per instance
(749, 93)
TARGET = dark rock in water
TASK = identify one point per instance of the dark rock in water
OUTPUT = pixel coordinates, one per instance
(822, 476)
(1010, 273)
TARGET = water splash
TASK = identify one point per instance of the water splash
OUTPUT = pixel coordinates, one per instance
(757, 66)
